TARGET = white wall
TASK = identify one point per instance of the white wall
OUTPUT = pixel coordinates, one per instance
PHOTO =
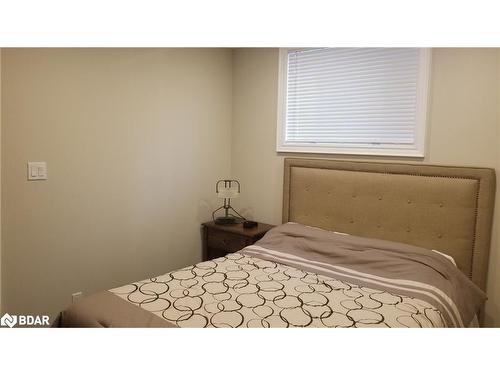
(463, 118)
(134, 140)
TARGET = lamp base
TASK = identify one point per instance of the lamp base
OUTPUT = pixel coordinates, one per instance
(225, 220)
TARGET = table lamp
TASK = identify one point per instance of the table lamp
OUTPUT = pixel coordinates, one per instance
(227, 190)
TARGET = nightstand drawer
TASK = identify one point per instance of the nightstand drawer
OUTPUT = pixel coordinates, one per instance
(226, 241)
(219, 240)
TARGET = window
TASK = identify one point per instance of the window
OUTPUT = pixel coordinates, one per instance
(369, 101)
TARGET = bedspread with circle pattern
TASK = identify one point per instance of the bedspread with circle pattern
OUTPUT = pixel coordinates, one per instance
(244, 291)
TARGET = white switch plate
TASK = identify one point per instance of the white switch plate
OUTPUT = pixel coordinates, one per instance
(37, 170)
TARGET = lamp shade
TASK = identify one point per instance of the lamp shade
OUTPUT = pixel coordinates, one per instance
(229, 192)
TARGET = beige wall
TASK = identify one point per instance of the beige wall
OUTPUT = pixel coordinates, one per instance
(463, 117)
(493, 274)
(0, 180)
(134, 140)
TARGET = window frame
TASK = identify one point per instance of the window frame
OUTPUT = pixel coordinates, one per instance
(416, 150)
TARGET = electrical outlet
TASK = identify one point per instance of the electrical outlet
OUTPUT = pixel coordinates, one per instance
(76, 296)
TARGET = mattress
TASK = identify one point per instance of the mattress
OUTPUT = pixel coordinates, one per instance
(296, 276)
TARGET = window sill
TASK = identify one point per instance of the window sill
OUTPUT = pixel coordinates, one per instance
(408, 153)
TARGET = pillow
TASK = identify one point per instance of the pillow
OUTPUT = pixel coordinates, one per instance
(309, 226)
(449, 257)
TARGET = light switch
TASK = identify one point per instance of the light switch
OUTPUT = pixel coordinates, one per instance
(37, 170)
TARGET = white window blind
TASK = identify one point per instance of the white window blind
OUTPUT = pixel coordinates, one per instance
(354, 99)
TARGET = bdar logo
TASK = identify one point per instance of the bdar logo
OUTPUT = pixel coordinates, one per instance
(8, 320)
(24, 320)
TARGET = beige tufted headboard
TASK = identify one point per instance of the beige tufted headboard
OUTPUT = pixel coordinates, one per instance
(448, 209)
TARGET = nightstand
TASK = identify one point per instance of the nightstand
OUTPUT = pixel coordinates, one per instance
(219, 240)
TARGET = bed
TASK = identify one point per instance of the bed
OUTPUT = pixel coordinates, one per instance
(362, 245)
